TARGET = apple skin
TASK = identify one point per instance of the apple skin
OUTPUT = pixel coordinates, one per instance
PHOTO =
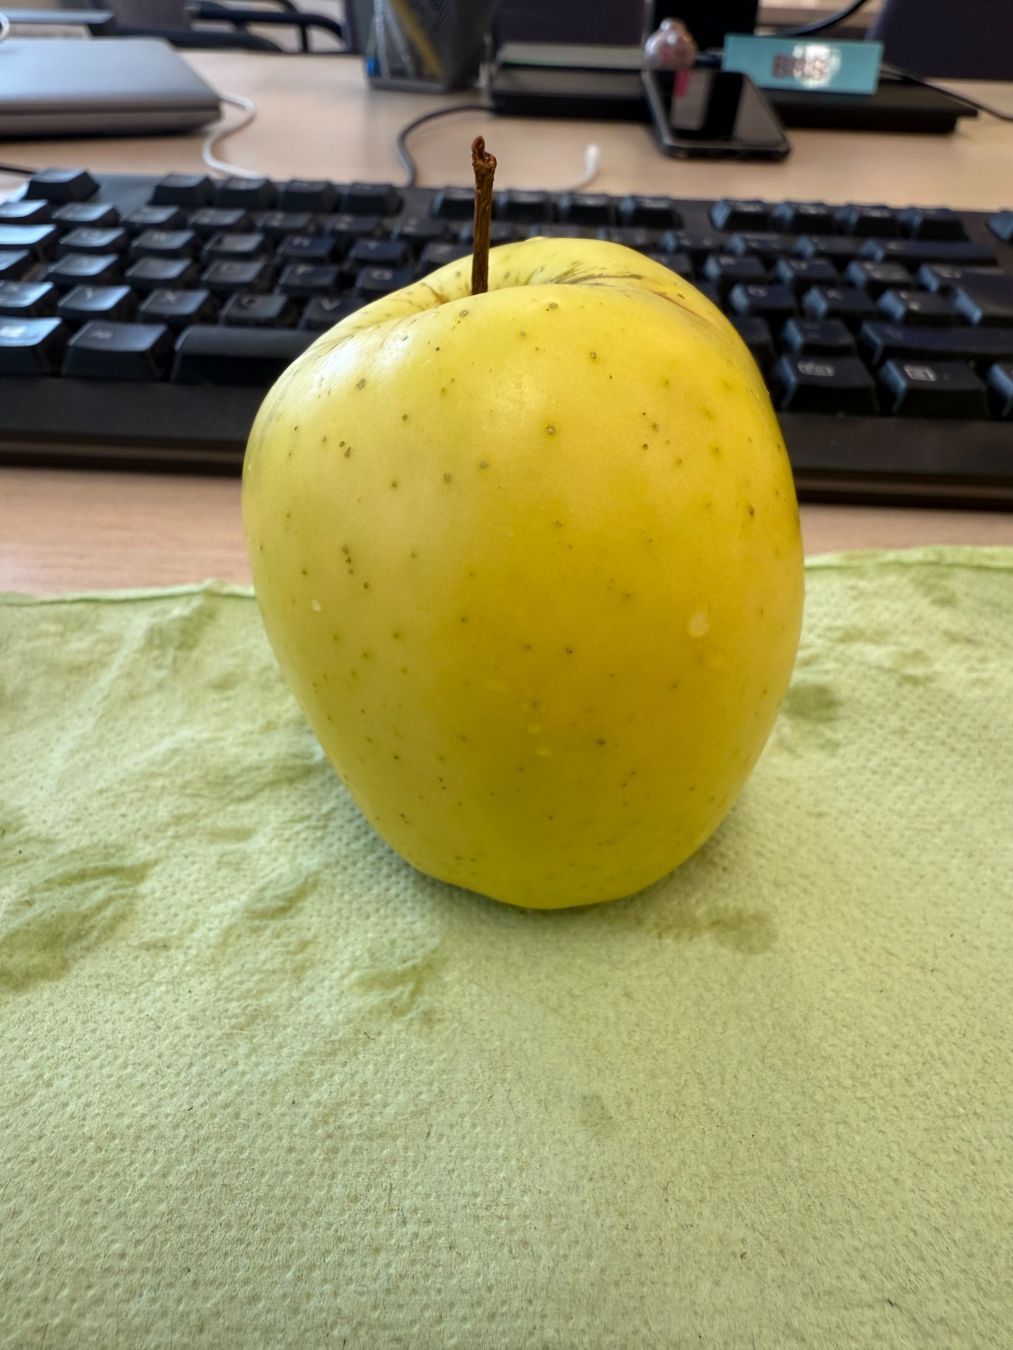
(531, 563)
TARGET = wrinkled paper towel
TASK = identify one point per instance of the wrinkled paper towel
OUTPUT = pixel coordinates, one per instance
(261, 1084)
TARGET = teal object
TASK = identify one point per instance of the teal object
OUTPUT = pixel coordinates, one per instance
(805, 64)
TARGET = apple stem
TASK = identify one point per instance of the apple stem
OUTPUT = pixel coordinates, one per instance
(484, 165)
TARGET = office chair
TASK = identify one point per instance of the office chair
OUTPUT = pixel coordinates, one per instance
(962, 39)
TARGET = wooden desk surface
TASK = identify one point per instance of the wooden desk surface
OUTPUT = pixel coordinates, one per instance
(63, 530)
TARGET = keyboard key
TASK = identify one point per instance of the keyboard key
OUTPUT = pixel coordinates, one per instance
(119, 351)
(865, 221)
(675, 262)
(1000, 389)
(632, 236)
(948, 276)
(277, 224)
(423, 229)
(324, 311)
(740, 215)
(31, 346)
(89, 239)
(881, 342)
(208, 221)
(164, 244)
(241, 246)
(62, 185)
(774, 303)
(725, 270)
(587, 208)
(526, 208)
(824, 384)
(500, 232)
(922, 222)
(755, 333)
(371, 199)
(455, 203)
(308, 279)
(224, 276)
(98, 215)
(914, 252)
(236, 356)
(875, 278)
(84, 303)
(657, 213)
(260, 311)
(39, 240)
(373, 282)
(95, 269)
(308, 194)
(379, 252)
(931, 308)
(345, 227)
(801, 274)
(837, 250)
(846, 303)
(15, 263)
(698, 246)
(767, 247)
(1001, 225)
(155, 218)
(552, 231)
(939, 389)
(986, 300)
(309, 248)
(148, 274)
(248, 194)
(804, 217)
(184, 189)
(25, 211)
(178, 308)
(27, 299)
(817, 337)
(439, 255)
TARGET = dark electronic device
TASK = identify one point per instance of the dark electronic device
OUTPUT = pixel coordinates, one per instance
(532, 80)
(143, 319)
(896, 106)
(707, 113)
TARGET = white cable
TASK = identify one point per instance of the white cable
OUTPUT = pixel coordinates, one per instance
(220, 131)
(592, 164)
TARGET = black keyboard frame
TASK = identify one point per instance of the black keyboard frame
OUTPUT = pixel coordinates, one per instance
(202, 429)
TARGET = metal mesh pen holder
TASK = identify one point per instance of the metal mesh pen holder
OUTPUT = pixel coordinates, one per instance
(426, 44)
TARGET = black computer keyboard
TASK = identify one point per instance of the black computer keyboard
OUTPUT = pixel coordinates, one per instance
(142, 319)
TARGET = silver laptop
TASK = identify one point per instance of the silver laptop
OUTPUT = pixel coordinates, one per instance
(99, 86)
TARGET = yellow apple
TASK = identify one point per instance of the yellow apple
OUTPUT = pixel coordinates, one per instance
(530, 561)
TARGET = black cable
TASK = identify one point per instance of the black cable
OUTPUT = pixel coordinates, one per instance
(401, 145)
(905, 76)
(215, 11)
(821, 25)
(20, 169)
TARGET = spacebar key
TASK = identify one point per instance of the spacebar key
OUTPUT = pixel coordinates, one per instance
(243, 356)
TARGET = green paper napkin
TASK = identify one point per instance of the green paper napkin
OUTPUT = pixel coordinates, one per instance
(261, 1084)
